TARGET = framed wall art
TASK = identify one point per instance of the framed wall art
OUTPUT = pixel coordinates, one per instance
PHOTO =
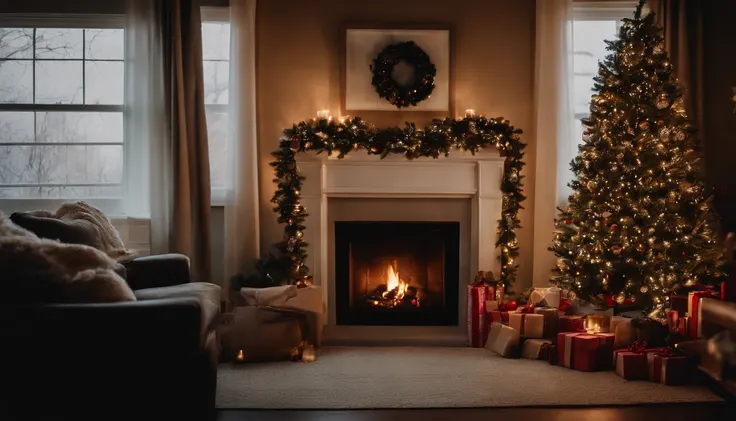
(397, 70)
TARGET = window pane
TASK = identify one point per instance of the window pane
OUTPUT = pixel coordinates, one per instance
(16, 43)
(63, 43)
(67, 192)
(60, 164)
(81, 127)
(219, 142)
(215, 41)
(216, 81)
(16, 127)
(104, 44)
(16, 82)
(59, 82)
(104, 82)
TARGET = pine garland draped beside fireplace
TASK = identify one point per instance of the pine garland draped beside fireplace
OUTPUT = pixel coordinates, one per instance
(471, 133)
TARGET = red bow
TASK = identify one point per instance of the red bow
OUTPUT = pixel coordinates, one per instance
(638, 347)
(668, 352)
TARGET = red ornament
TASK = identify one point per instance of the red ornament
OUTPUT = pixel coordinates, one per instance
(610, 302)
(511, 306)
(568, 221)
(614, 227)
(294, 145)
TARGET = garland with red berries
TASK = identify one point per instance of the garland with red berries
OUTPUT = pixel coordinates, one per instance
(438, 138)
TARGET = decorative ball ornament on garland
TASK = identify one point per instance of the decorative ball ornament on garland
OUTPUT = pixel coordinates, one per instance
(471, 133)
(422, 84)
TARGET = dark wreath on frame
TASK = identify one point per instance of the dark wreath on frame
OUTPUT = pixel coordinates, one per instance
(422, 84)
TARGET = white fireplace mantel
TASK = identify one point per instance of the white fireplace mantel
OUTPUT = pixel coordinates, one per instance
(359, 175)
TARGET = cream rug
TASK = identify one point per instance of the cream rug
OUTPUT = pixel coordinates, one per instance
(425, 377)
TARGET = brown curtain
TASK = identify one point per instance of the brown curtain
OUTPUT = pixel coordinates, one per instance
(682, 21)
(181, 26)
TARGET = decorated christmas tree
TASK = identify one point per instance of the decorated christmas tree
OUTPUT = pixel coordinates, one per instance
(639, 225)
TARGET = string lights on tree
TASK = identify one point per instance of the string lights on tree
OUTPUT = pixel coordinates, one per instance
(639, 225)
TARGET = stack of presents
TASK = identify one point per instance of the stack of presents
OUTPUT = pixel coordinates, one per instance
(549, 326)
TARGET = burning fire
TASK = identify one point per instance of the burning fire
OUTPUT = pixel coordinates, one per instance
(394, 283)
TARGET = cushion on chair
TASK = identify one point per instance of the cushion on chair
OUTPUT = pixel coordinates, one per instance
(70, 232)
(207, 294)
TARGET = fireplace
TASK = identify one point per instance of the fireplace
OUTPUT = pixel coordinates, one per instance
(397, 273)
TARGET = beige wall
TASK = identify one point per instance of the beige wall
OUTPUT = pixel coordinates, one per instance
(298, 47)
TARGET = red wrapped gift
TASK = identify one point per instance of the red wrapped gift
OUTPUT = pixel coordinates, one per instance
(693, 311)
(571, 324)
(631, 365)
(499, 317)
(585, 352)
(478, 325)
(671, 369)
(636, 347)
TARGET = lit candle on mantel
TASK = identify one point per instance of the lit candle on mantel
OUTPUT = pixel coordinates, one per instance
(323, 114)
(469, 113)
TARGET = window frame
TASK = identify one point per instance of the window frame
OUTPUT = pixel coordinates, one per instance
(113, 205)
(219, 195)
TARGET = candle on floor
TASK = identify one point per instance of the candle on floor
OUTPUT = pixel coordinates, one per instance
(309, 354)
(240, 357)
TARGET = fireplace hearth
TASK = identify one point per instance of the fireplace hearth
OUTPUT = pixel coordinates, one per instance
(397, 273)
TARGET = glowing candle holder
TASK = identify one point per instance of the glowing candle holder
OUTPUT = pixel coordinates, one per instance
(469, 113)
(323, 114)
(309, 354)
(598, 323)
(240, 358)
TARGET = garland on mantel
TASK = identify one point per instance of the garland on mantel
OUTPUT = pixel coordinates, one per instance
(471, 133)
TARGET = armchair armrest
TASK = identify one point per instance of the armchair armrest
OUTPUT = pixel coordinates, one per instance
(157, 271)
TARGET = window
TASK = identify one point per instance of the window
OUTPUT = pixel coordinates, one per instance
(61, 109)
(216, 71)
(594, 23)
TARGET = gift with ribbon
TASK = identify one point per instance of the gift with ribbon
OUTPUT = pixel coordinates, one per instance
(585, 352)
(477, 316)
(693, 311)
(536, 349)
(550, 320)
(631, 363)
(503, 340)
(668, 366)
(529, 325)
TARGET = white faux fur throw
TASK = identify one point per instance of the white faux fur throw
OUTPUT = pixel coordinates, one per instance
(34, 270)
(112, 244)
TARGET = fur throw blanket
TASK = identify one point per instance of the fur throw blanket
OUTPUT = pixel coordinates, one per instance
(85, 214)
(34, 271)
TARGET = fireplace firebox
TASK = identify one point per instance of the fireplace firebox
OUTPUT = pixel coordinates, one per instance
(397, 273)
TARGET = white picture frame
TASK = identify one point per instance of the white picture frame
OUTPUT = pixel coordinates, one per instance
(363, 45)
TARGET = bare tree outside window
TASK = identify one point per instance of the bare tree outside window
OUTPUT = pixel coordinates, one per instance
(61, 121)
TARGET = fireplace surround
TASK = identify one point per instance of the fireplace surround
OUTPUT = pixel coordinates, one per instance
(461, 187)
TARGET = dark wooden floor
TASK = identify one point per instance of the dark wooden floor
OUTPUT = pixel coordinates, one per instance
(673, 412)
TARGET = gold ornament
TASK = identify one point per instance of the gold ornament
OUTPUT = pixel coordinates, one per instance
(620, 298)
(592, 185)
(644, 125)
(644, 289)
(663, 101)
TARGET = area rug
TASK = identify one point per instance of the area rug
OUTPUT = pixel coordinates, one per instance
(425, 377)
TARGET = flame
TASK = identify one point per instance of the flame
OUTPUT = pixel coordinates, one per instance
(395, 283)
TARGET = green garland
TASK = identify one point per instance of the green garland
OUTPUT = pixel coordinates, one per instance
(418, 90)
(469, 134)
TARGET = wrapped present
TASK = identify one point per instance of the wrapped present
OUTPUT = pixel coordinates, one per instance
(585, 352)
(571, 323)
(536, 349)
(550, 320)
(631, 365)
(670, 368)
(491, 305)
(528, 324)
(650, 331)
(693, 311)
(550, 295)
(477, 316)
(683, 326)
(673, 318)
(503, 340)
(499, 317)
(679, 303)
(615, 320)
(552, 355)
(636, 347)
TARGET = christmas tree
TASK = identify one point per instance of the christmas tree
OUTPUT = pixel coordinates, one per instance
(639, 224)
